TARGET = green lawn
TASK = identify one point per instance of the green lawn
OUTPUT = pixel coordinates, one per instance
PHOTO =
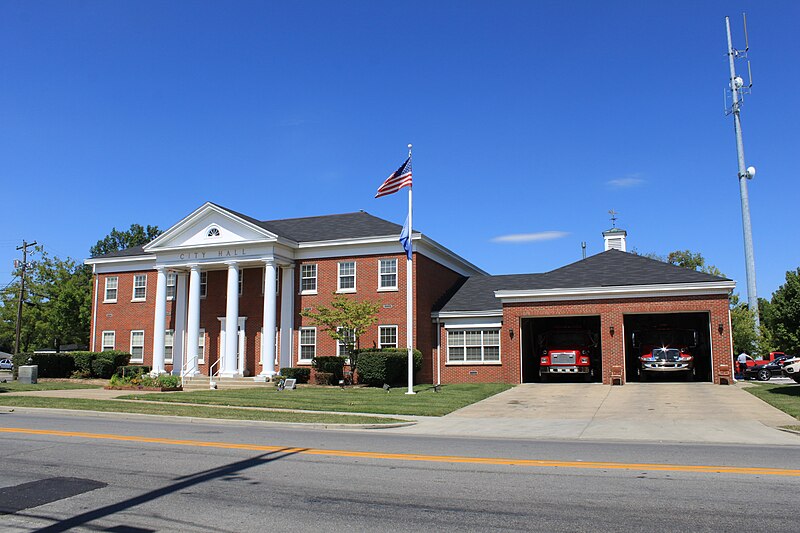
(197, 411)
(351, 400)
(784, 397)
(46, 385)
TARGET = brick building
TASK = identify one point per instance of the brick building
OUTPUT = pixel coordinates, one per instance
(222, 282)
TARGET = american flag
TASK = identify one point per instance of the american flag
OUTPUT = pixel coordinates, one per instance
(400, 178)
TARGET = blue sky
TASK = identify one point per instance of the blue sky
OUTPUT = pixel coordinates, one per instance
(526, 118)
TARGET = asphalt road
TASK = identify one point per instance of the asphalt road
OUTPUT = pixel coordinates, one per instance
(114, 474)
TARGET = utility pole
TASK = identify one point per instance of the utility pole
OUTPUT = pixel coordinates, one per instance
(24, 248)
(738, 89)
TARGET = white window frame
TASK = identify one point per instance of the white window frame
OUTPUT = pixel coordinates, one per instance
(203, 283)
(381, 286)
(300, 345)
(105, 347)
(169, 345)
(463, 347)
(172, 285)
(339, 277)
(396, 336)
(134, 359)
(115, 288)
(143, 286)
(201, 347)
(315, 268)
(241, 281)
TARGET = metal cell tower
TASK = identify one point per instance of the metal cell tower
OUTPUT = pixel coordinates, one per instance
(738, 90)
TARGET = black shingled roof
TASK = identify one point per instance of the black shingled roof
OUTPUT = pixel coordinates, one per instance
(308, 229)
(607, 269)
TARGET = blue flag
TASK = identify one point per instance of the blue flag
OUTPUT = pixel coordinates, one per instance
(405, 239)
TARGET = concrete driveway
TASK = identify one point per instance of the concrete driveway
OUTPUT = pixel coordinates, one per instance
(674, 412)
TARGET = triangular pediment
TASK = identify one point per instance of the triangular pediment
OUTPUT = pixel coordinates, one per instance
(210, 225)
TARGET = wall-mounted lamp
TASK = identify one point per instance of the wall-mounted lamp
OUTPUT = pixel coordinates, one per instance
(720, 328)
(511, 332)
(611, 330)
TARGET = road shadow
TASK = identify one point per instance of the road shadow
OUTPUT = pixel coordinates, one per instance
(181, 484)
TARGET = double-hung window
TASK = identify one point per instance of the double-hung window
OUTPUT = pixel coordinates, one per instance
(139, 287)
(308, 344)
(172, 279)
(387, 274)
(241, 281)
(109, 340)
(308, 279)
(473, 346)
(387, 336)
(112, 284)
(137, 346)
(347, 276)
(169, 342)
(203, 284)
(348, 336)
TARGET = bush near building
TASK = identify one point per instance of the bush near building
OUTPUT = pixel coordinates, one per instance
(74, 364)
(388, 365)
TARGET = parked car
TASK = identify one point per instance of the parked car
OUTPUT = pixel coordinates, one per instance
(764, 372)
(6, 364)
(791, 368)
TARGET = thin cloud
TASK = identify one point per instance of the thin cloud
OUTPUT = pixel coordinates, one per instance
(530, 237)
(631, 180)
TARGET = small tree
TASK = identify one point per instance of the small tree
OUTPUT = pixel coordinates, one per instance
(345, 321)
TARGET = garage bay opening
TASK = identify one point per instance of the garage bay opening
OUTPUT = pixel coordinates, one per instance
(667, 347)
(561, 349)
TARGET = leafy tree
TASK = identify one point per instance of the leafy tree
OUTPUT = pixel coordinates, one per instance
(56, 306)
(122, 240)
(345, 321)
(743, 324)
(782, 315)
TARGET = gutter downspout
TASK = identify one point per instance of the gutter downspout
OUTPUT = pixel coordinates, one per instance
(438, 353)
(94, 307)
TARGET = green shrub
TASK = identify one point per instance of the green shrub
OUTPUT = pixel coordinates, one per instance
(323, 378)
(87, 365)
(390, 365)
(330, 365)
(132, 370)
(51, 365)
(168, 381)
(301, 374)
(145, 380)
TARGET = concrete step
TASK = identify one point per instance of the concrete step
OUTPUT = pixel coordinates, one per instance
(203, 383)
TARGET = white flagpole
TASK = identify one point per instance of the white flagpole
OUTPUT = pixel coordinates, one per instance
(410, 298)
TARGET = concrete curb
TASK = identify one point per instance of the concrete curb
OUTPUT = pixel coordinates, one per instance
(209, 421)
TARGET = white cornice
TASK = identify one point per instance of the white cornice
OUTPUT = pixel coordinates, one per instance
(447, 257)
(623, 291)
(114, 260)
(467, 314)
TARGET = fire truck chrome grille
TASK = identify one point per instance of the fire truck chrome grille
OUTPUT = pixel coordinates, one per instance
(565, 358)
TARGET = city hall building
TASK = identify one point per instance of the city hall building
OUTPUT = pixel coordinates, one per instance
(220, 282)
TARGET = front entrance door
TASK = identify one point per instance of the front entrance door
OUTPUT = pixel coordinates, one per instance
(240, 363)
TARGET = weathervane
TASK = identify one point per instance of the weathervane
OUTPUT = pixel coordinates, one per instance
(613, 217)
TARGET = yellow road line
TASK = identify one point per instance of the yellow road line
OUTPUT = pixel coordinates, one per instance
(420, 457)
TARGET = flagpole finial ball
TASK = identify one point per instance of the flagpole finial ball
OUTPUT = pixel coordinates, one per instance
(409, 147)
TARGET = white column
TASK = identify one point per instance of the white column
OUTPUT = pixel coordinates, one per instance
(270, 319)
(193, 322)
(287, 315)
(230, 359)
(178, 345)
(160, 321)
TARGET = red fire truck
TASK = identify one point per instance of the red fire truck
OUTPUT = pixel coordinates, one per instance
(664, 350)
(567, 351)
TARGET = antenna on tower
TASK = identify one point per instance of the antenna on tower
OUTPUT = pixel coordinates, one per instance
(583, 249)
(738, 89)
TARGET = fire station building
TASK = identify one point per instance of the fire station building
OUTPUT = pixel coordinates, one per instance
(220, 282)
